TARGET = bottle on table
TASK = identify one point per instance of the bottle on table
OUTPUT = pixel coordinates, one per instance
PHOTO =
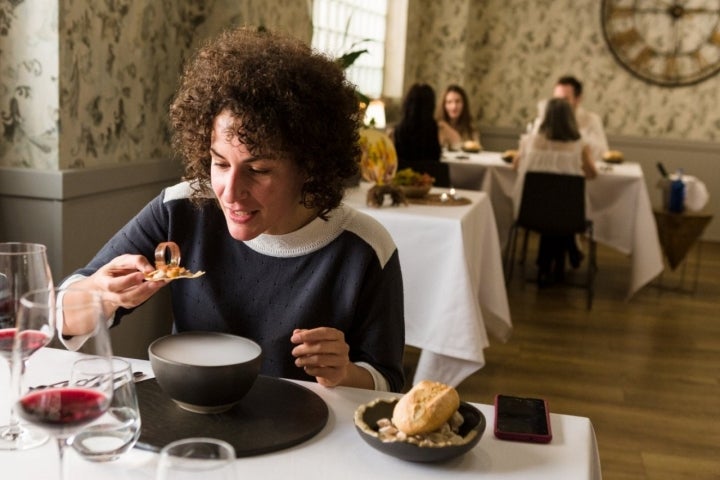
(677, 194)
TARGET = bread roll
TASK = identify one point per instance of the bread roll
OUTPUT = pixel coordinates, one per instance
(425, 408)
(471, 146)
(613, 156)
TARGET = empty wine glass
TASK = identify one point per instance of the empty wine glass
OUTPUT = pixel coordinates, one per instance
(23, 267)
(192, 458)
(64, 410)
(118, 429)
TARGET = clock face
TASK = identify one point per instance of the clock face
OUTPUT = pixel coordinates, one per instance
(666, 42)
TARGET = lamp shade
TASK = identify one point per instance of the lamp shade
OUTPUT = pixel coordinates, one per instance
(375, 115)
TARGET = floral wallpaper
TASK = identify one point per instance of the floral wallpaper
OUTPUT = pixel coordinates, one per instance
(508, 54)
(28, 83)
(119, 61)
(438, 57)
(88, 83)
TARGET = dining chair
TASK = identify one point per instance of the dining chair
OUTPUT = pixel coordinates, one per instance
(552, 204)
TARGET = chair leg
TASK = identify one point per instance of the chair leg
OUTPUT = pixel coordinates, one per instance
(591, 270)
(524, 247)
(523, 258)
(510, 253)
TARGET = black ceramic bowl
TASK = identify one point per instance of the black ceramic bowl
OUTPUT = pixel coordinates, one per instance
(205, 372)
(471, 430)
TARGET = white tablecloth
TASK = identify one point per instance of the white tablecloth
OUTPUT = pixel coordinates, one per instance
(336, 452)
(453, 281)
(618, 205)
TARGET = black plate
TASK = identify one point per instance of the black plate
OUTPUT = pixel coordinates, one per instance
(274, 415)
(474, 424)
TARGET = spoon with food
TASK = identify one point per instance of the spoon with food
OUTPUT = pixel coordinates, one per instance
(167, 271)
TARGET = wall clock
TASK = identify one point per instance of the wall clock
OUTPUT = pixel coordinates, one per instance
(665, 42)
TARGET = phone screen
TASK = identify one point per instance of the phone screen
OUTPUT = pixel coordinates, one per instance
(518, 418)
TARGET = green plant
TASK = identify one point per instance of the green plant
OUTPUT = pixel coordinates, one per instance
(347, 59)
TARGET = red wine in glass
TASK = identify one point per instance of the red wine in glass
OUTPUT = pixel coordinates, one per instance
(23, 267)
(31, 341)
(63, 409)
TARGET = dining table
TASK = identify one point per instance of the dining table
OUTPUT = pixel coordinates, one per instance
(454, 289)
(618, 205)
(337, 451)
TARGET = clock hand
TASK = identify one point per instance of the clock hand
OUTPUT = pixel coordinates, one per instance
(652, 10)
(677, 11)
(701, 10)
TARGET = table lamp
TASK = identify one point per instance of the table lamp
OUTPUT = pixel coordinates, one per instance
(375, 115)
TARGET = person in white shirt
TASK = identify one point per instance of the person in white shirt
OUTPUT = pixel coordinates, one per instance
(557, 147)
(589, 123)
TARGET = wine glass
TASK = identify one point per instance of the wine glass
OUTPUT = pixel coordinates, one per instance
(191, 458)
(65, 409)
(23, 267)
(118, 429)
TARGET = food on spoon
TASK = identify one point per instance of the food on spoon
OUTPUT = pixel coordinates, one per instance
(425, 408)
(165, 271)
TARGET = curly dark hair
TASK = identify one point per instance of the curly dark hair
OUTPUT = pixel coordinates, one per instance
(288, 101)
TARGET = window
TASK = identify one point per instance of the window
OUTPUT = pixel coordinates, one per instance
(341, 26)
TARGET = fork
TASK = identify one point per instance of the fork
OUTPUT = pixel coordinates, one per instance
(137, 376)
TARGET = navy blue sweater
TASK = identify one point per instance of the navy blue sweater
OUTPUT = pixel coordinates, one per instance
(342, 273)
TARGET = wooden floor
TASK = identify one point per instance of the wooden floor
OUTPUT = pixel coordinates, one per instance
(646, 372)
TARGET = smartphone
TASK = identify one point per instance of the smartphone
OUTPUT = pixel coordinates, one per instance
(522, 419)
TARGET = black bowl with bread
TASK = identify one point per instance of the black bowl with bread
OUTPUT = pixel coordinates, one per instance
(428, 424)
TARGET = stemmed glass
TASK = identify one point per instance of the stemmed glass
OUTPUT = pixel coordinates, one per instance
(23, 267)
(192, 458)
(63, 410)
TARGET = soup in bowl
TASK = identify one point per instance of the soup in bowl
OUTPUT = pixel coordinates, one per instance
(205, 372)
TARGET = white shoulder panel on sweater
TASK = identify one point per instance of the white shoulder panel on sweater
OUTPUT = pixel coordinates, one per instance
(372, 231)
(178, 191)
(320, 233)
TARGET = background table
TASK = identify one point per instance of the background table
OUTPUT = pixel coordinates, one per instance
(618, 205)
(336, 452)
(679, 232)
(453, 281)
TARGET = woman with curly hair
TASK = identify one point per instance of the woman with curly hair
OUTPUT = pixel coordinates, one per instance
(268, 131)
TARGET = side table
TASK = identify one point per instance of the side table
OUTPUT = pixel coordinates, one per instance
(678, 233)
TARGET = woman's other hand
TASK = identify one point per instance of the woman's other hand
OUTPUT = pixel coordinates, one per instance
(323, 353)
